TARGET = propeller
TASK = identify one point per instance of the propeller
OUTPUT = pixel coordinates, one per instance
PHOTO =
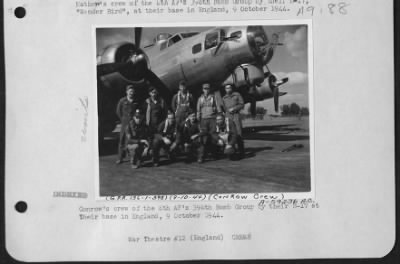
(130, 61)
(106, 68)
(163, 90)
(269, 48)
(124, 58)
(274, 84)
(276, 98)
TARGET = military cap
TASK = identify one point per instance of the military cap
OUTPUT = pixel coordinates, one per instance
(130, 86)
(138, 113)
(152, 88)
(206, 85)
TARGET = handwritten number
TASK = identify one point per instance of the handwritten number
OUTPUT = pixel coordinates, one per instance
(301, 11)
(342, 8)
(311, 9)
(331, 6)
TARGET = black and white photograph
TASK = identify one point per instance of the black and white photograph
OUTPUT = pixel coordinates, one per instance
(222, 130)
(201, 109)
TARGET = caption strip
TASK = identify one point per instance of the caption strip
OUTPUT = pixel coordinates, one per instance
(300, 8)
(188, 211)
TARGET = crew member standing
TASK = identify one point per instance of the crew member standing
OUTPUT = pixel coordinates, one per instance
(138, 139)
(232, 104)
(182, 103)
(125, 110)
(207, 109)
(156, 110)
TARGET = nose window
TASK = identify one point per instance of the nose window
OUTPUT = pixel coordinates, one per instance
(258, 41)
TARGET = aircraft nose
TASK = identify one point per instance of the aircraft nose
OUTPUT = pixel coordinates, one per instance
(258, 41)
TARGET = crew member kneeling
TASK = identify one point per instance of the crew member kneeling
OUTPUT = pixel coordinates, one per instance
(137, 139)
(225, 136)
(166, 138)
(192, 138)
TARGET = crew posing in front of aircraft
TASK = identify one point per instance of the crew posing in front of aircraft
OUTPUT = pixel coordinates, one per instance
(235, 54)
(210, 128)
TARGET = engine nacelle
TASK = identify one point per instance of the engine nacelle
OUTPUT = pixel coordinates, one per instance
(264, 90)
(246, 75)
(121, 53)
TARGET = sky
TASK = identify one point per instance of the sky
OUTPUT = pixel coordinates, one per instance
(289, 60)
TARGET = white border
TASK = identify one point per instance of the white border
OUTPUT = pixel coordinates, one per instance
(211, 197)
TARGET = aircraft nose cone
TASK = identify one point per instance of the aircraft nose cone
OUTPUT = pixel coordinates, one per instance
(258, 40)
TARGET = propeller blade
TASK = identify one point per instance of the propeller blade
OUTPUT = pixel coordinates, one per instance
(276, 98)
(106, 68)
(253, 107)
(162, 89)
(138, 36)
(268, 55)
(252, 90)
(282, 81)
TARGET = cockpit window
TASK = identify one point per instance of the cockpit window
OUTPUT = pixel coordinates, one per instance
(189, 34)
(162, 36)
(211, 40)
(163, 45)
(222, 34)
(236, 34)
(174, 40)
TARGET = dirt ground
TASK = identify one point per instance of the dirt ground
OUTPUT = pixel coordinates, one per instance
(266, 167)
